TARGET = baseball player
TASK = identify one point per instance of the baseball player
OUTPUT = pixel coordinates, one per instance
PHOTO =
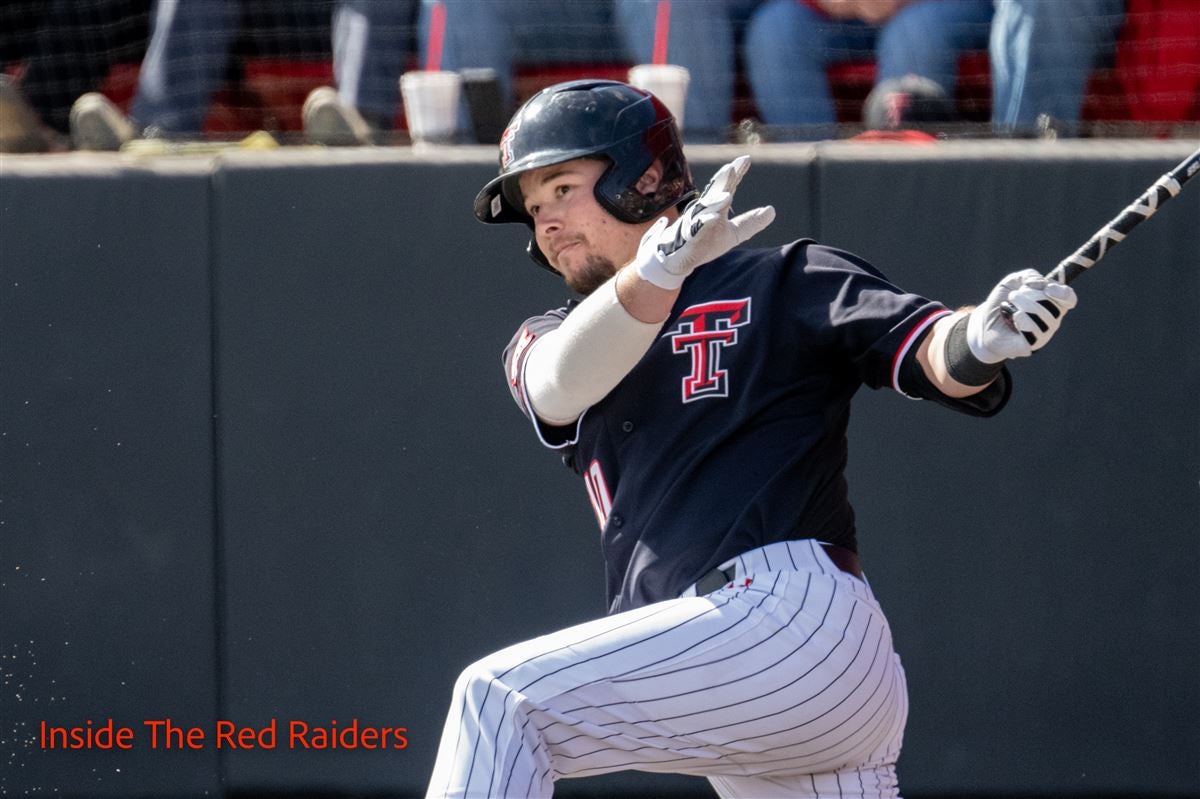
(702, 392)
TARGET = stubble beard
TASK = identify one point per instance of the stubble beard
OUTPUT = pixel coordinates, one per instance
(595, 273)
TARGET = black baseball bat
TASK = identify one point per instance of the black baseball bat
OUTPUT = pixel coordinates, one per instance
(1141, 209)
(1112, 234)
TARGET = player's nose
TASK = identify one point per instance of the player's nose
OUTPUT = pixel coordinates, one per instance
(548, 224)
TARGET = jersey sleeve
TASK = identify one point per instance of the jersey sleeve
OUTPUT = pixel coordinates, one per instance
(874, 323)
(514, 359)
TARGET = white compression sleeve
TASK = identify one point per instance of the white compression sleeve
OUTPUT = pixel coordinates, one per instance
(575, 365)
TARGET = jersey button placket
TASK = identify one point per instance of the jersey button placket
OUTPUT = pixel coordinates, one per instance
(627, 426)
(615, 520)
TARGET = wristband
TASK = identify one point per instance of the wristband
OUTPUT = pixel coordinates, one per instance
(962, 364)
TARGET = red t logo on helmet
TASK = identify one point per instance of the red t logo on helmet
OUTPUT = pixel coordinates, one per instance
(506, 143)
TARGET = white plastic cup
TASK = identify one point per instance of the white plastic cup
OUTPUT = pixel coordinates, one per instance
(667, 82)
(431, 104)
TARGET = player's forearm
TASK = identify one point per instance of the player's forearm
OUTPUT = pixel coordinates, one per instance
(932, 357)
(575, 366)
(643, 300)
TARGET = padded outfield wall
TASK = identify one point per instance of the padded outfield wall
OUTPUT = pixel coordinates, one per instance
(258, 464)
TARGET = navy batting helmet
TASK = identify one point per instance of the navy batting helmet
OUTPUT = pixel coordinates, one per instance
(628, 127)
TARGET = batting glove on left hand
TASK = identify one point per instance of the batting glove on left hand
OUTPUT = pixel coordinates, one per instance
(1040, 306)
(670, 251)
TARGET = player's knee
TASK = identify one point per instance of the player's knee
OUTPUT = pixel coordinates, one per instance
(788, 27)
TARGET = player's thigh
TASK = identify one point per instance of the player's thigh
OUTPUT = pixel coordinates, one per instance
(615, 646)
(794, 672)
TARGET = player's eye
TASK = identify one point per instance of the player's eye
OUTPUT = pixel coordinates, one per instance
(561, 191)
(533, 210)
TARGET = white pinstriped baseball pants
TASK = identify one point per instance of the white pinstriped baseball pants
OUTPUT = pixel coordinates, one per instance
(785, 686)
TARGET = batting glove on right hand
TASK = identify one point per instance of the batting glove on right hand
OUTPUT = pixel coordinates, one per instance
(670, 251)
(1040, 307)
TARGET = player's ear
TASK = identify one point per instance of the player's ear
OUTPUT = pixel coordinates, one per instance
(649, 181)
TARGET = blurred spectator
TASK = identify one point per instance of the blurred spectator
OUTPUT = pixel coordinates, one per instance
(905, 37)
(1042, 54)
(501, 34)
(372, 43)
(184, 64)
(60, 49)
(188, 59)
(703, 38)
(701, 35)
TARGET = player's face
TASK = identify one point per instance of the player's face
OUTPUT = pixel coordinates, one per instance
(578, 237)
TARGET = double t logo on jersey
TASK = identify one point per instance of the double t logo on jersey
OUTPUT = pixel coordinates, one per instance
(703, 331)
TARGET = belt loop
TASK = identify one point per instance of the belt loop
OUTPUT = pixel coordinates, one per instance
(843, 559)
(715, 580)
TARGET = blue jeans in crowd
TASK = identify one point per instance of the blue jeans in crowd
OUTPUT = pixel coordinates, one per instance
(1042, 54)
(704, 35)
(372, 42)
(790, 84)
(190, 44)
(184, 63)
(502, 34)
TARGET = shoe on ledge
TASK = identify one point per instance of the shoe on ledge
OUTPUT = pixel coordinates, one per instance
(97, 124)
(329, 121)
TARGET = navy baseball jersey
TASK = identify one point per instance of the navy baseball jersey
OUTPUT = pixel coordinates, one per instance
(730, 432)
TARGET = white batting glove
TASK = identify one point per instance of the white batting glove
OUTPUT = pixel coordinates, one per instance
(1040, 307)
(670, 251)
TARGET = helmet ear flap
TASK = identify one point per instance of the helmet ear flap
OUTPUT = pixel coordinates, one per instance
(617, 190)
